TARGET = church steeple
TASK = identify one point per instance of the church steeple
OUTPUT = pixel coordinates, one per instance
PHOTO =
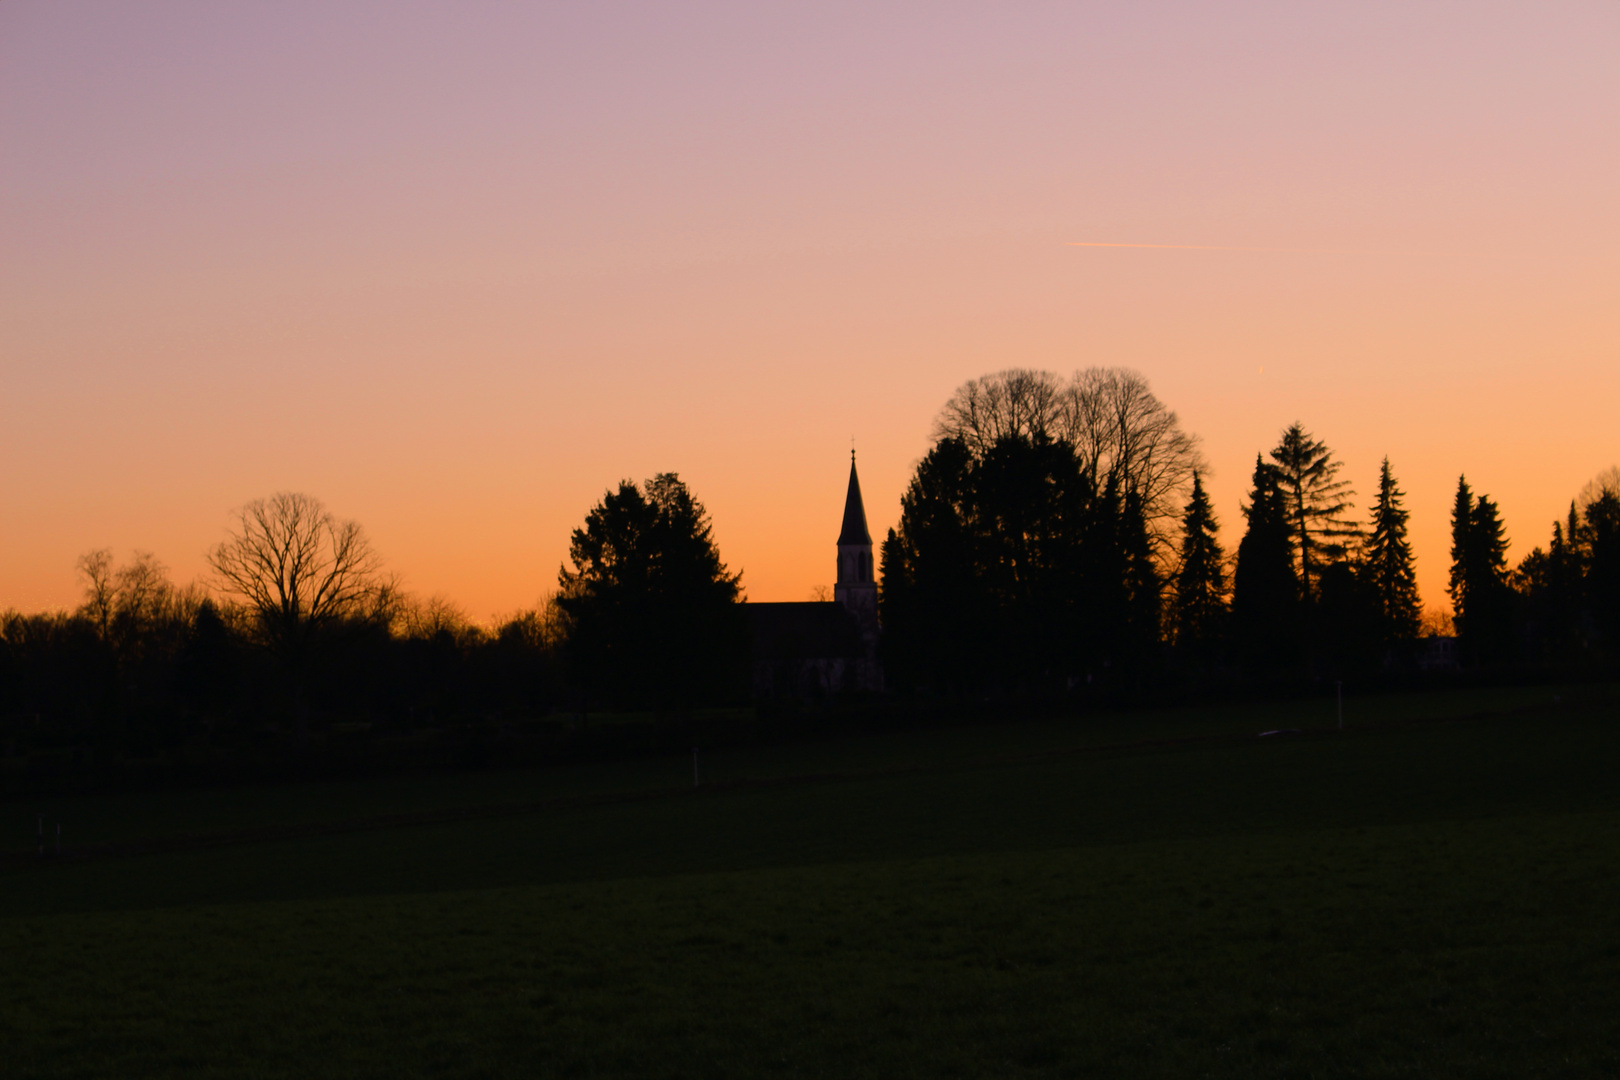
(854, 531)
(857, 582)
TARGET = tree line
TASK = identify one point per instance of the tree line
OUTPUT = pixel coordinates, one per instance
(1055, 539)
(1058, 534)
(299, 624)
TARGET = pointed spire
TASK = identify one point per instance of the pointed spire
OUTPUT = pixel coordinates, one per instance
(854, 531)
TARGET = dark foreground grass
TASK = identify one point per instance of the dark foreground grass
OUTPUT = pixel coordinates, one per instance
(91, 821)
(1439, 900)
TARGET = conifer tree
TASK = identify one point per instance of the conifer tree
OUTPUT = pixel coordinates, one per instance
(1462, 514)
(1487, 547)
(1388, 564)
(1601, 540)
(1144, 587)
(1200, 598)
(1552, 584)
(1265, 590)
(653, 616)
(1481, 596)
(1315, 499)
(1479, 557)
(1566, 555)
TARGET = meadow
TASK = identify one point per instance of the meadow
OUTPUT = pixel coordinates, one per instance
(1430, 892)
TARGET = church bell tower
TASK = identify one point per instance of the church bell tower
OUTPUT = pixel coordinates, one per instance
(857, 581)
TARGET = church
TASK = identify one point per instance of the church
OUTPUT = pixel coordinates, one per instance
(821, 648)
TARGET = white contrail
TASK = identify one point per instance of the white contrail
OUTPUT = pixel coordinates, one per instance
(1214, 247)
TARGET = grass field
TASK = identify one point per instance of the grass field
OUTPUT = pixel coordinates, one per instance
(1433, 892)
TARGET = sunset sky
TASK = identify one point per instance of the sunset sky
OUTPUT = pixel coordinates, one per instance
(457, 268)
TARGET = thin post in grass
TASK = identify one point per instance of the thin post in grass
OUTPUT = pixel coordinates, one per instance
(42, 835)
(694, 767)
(59, 838)
(1340, 685)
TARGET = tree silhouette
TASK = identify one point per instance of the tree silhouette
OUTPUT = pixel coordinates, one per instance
(1009, 571)
(1120, 433)
(1553, 584)
(1029, 511)
(141, 622)
(1017, 403)
(1387, 566)
(1462, 516)
(1601, 540)
(301, 573)
(933, 611)
(100, 590)
(1315, 499)
(1199, 605)
(1265, 589)
(1142, 595)
(651, 611)
(1481, 596)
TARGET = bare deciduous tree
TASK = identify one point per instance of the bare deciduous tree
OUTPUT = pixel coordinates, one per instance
(144, 592)
(427, 619)
(299, 571)
(297, 568)
(1120, 431)
(127, 604)
(100, 589)
(543, 626)
(1604, 483)
(1015, 402)
(1124, 434)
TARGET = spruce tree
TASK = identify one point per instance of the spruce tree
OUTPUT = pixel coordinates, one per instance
(1462, 514)
(1481, 596)
(1387, 568)
(1601, 536)
(1265, 590)
(1488, 631)
(1316, 499)
(1552, 584)
(1487, 547)
(1200, 598)
(1144, 588)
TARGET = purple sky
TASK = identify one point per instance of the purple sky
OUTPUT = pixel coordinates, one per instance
(456, 269)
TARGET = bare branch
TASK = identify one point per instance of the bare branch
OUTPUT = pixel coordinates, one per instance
(1119, 430)
(297, 568)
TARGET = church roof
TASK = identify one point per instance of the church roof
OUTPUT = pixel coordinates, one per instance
(815, 630)
(854, 531)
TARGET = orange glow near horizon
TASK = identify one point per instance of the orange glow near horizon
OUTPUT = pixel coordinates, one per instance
(456, 275)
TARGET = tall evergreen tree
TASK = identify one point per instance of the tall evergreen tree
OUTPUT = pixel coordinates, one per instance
(1481, 596)
(1387, 568)
(1488, 631)
(1571, 591)
(933, 614)
(1486, 570)
(1552, 584)
(1601, 536)
(1200, 596)
(1316, 499)
(1462, 515)
(1144, 588)
(1265, 590)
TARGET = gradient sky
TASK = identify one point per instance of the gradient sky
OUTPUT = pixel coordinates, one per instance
(457, 268)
